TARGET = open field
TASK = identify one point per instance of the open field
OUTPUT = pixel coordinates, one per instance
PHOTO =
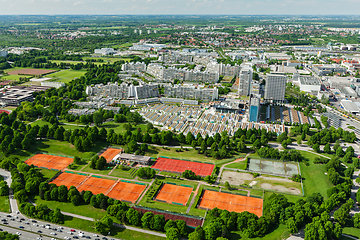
(110, 59)
(74, 62)
(66, 76)
(352, 231)
(314, 179)
(276, 184)
(30, 71)
(13, 77)
(273, 167)
(279, 233)
(48, 174)
(121, 173)
(238, 165)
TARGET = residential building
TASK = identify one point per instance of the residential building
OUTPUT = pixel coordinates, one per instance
(245, 78)
(134, 67)
(254, 109)
(275, 88)
(191, 92)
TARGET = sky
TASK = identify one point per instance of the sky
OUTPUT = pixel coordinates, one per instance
(170, 7)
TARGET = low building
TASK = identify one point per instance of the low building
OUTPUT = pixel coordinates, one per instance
(325, 69)
(14, 96)
(143, 160)
(3, 53)
(53, 84)
(104, 51)
(191, 92)
(350, 107)
(292, 63)
(309, 83)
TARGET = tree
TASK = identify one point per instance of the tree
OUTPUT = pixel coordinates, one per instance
(101, 163)
(172, 234)
(98, 118)
(104, 225)
(159, 222)
(198, 234)
(227, 185)
(77, 160)
(327, 148)
(356, 220)
(316, 147)
(333, 176)
(340, 152)
(133, 217)
(147, 219)
(169, 224)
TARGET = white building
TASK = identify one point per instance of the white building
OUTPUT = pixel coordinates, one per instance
(104, 51)
(245, 79)
(275, 87)
(53, 84)
(309, 83)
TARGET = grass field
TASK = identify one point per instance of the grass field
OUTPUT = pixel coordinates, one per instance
(121, 173)
(314, 179)
(355, 232)
(48, 174)
(110, 59)
(279, 233)
(66, 76)
(4, 204)
(13, 77)
(58, 148)
(74, 62)
(90, 170)
(238, 165)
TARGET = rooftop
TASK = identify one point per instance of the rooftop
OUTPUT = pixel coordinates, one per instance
(309, 80)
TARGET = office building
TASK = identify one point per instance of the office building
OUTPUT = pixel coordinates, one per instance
(309, 83)
(245, 78)
(275, 88)
(254, 109)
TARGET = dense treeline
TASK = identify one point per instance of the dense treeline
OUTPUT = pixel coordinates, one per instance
(8, 236)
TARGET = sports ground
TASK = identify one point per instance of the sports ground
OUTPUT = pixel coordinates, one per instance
(174, 194)
(49, 161)
(123, 191)
(231, 202)
(179, 166)
(110, 153)
(68, 180)
(29, 71)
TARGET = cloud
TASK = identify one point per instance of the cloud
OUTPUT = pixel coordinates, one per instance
(78, 3)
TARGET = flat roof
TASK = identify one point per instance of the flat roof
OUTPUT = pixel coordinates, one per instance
(349, 106)
(309, 80)
(135, 158)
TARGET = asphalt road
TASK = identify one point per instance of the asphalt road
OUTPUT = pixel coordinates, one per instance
(39, 228)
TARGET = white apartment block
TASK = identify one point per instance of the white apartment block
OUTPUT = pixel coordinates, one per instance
(134, 67)
(245, 78)
(223, 69)
(104, 51)
(191, 92)
(275, 87)
(123, 91)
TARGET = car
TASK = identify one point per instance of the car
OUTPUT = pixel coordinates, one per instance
(17, 212)
(5, 223)
(53, 239)
(76, 237)
(22, 227)
(34, 224)
(60, 227)
(53, 233)
(97, 238)
(1, 230)
(27, 223)
(72, 230)
(39, 231)
(66, 237)
(8, 215)
(22, 219)
(70, 233)
(34, 221)
(95, 235)
(18, 233)
(59, 230)
(88, 237)
(4, 220)
(104, 238)
(38, 238)
(12, 219)
(16, 217)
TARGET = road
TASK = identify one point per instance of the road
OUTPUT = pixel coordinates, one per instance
(24, 235)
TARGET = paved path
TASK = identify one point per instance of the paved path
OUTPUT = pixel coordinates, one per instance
(193, 198)
(144, 192)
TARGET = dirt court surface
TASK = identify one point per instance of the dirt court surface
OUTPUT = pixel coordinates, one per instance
(231, 202)
(179, 166)
(235, 178)
(96, 185)
(110, 153)
(31, 72)
(69, 180)
(174, 194)
(5, 111)
(280, 188)
(124, 191)
(49, 161)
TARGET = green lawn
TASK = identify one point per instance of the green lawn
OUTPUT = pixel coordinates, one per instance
(314, 179)
(90, 170)
(4, 204)
(238, 165)
(121, 173)
(12, 77)
(58, 148)
(83, 210)
(66, 75)
(48, 174)
(279, 233)
(179, 181)
(352, 231)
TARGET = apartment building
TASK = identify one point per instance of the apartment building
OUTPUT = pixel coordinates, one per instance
(191, 92)
(123, 91)
(223, 69)
(134, 67)
(245, 78)
(275, 87)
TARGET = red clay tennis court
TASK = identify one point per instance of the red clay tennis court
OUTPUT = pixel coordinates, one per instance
(173, 165)
(128, 192)
(69, 180)
(5, 111)
(49, 161)
(96, 185)
(110, 153)
(174, 194)
(231, 202)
